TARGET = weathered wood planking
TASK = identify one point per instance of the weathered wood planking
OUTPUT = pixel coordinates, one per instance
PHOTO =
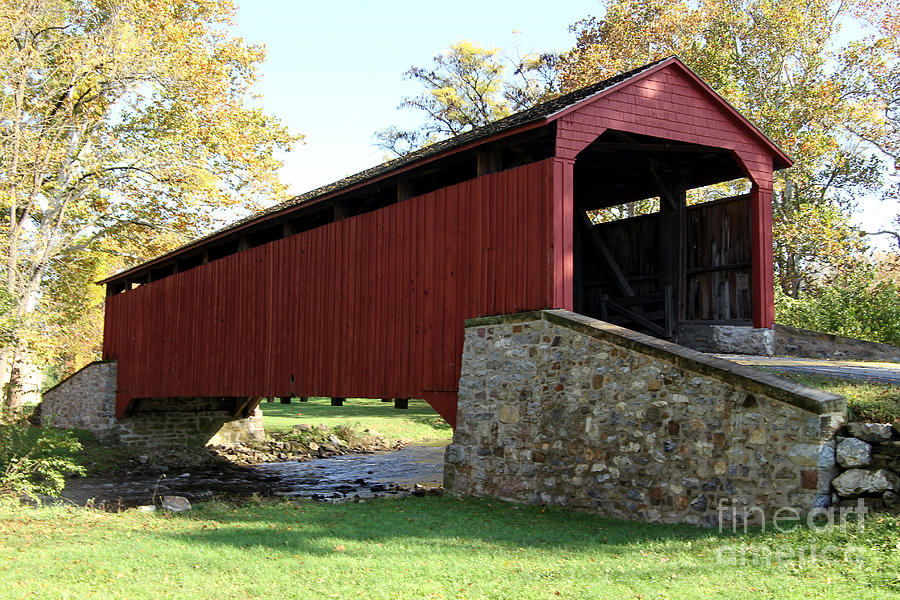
(719, 255)
(719, 261)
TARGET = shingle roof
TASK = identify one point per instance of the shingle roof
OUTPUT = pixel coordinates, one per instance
(529, 115)
(540, 112)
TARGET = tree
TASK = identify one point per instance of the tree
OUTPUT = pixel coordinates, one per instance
(121, 120)
(834, 109)
(878, 59)
(468, 86)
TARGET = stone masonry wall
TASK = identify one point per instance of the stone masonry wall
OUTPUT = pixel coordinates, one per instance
(557, 408)
(187, 422)
(87, 400)
(869, 456)
(791, 341)
(731, 339)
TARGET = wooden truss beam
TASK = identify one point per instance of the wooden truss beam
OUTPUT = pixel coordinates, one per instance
(244, 407)
(663, 188)
(608, 258)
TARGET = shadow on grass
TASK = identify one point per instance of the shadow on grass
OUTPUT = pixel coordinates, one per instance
(314, 528)
(486, 536)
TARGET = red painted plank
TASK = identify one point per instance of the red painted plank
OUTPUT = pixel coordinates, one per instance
(762, 276)
(433, 260)
(449, 295)
(373, 305)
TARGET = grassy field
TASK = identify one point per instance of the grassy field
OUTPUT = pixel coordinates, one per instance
(419, 422)
(434, 547)
(431, 547)
(867, 401)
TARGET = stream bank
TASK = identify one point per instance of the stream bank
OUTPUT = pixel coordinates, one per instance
(312, 462)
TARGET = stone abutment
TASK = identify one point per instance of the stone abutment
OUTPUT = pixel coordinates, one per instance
(87, 400)
(557, 408)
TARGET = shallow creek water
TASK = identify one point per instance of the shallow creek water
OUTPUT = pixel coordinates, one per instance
(329, 479)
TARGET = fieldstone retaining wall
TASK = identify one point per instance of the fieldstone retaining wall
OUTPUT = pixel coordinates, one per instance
(557, 408)
(868, 454)
(189, 422)
(791, 341)
(87, 400)
(729, 339)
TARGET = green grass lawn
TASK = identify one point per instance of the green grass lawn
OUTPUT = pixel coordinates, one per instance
(433, 547)
(867, 401)
(418, 423)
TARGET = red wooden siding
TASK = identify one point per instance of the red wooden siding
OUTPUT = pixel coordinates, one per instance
(762, 274)
(668, 104)
(563, 234)
(370, 306)
(672, 103)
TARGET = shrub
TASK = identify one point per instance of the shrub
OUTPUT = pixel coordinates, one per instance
(857, 304)
(34, 460)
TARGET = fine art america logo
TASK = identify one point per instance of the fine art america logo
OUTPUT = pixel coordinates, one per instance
(784, 520)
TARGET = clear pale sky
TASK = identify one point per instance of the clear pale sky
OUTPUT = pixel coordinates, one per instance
(334, 70)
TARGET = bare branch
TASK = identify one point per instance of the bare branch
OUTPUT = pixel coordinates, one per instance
(894, 234)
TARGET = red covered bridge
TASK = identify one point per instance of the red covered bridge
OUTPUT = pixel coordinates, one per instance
(361, 288)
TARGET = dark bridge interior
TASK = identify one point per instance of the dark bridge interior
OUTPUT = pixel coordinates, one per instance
(678, 264)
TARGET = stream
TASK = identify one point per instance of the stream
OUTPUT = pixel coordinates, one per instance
(413, 469)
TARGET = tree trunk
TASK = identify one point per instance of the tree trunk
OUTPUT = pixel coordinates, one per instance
(6, 356)
(12, 390)
(17, 354)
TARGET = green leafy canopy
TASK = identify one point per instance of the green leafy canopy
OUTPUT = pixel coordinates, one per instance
(126, 132)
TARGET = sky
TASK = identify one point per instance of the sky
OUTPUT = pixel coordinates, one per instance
(334, 71)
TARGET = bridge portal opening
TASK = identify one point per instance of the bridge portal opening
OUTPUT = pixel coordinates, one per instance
(657, 248)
